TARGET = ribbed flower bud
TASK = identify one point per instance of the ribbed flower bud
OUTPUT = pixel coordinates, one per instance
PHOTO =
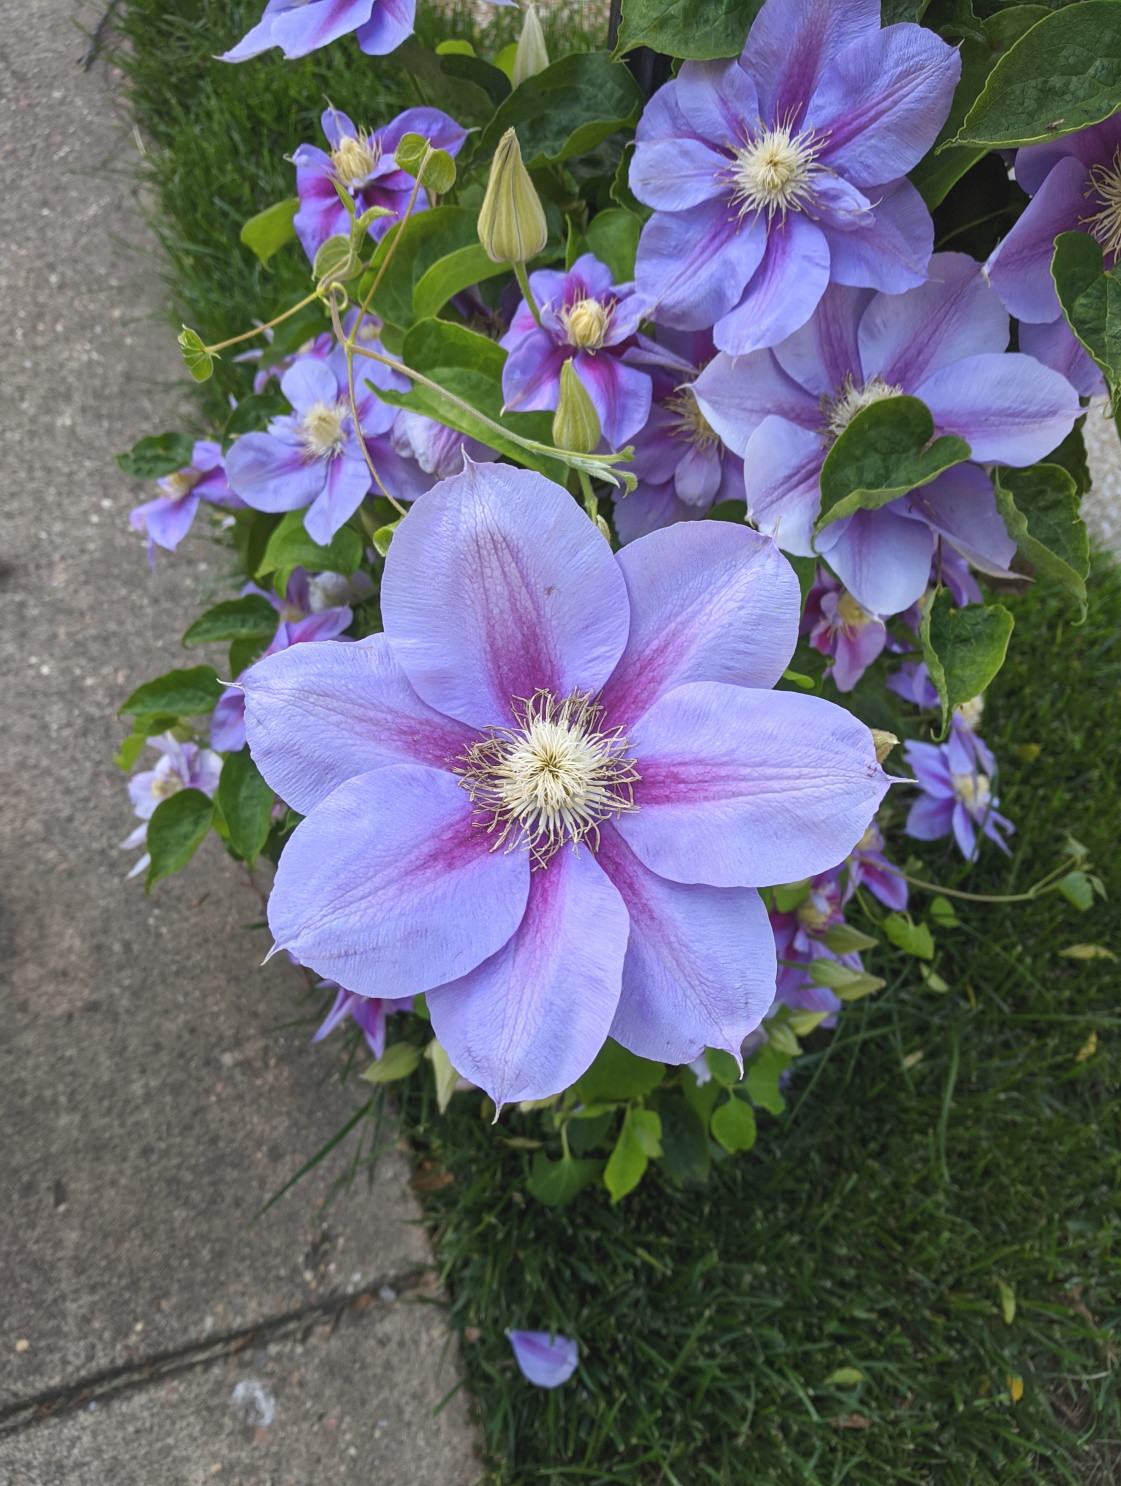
(884, 742)
(575, 422)
(531, 56)
(512, 226)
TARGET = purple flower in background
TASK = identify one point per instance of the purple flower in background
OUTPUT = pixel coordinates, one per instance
(943, 343)
(166, 520)
(302, 26)
(312, 456)
(437, 449)
(837, 626)
(605, 719)
(361, 162)
(798, 943)
(682, 465)
(181, 766)
(956, 796)
(588, 320)
(1075, 186)
(869, 867)
(369, 1012)
(544, 1358)
(777, 174)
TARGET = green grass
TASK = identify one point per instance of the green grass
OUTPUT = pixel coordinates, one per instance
(872, 1224)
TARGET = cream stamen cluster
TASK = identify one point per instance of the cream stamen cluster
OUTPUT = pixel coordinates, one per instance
(775, 171)
(690, 424)
(354, 158)
(585, 324)
(553, 778)
(973, 790)
(841, 407)
(1105, 185)
(322, 430)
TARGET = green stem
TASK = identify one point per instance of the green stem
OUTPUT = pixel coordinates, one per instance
(1044, 885)
(523, 284)
(248, 335)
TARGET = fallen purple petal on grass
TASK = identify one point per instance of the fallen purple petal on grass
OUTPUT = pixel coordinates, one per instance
(545, 1359)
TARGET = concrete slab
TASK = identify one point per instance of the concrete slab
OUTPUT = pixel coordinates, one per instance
(148, 1102)
(286, 1415)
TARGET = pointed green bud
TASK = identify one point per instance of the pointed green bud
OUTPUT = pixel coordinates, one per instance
(512, 220)
(575, 423)
(531, 56)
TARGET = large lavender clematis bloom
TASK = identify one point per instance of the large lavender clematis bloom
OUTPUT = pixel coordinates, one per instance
(588, 320)
(312, 457)
(606, 720)
(943, 343)
(777, 174)
(361, 162)
(166, 520)
(1075, 186)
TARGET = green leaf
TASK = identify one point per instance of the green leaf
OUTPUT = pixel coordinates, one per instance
(200, 363)
(183, 693)
(963, 648)
(246, 802)
(1040, 507)
(791, 895)
(449, 276)
(942, 912)
(1077, 889)
(130, 750)
(844, 1377)
(648, 1131)
(271, 229)
(444, 1072)
(627, 1163)
(290, 547)
(251, 617)
(843, 980)
(1090, 297)
(686, 1155)
(470, 366)
(176, 831)
(556, 1183)
(435, 169)
(466, 92)
(888, 449)
(722, 1066)
(1007, 1302)
(567, 110)
(913, 939)
(1061, 75)
(425, 240)
(613, 238)
(336, 260)
(383, 537)
(398, 1061)
(157, 455)
(618, 1074)
(761, 1079)
(733, 1125)
(843, 939)
(697, 30)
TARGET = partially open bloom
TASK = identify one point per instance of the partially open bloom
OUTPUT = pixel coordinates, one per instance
(361, 162)
(837, 626)
(181, 766)
(166, 520)
(588, 320)
(957, 795)
(369, 1012)
(1075, 186)
(544, 1358)
(437, 449)
(780, 173)
(944, 343)
(512, 226)
(546, 795)
(302, 26)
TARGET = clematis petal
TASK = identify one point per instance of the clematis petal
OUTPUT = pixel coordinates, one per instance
(700, 966)
(441, 131)
(545, 1359)
(881, 558)
(389, 888)
(711, 602)
(782, 469)
(791, 43)
(961, 506)
(784, 290)
(1056, 345)
(649, 508)
(308, 381)
(736, 393)
(1006, 408)
(390, 24)
(497, 585)
(227, 721)
(695, 265)
(319, 714)
(892, 254)
(697, 477)
(824, 351)
(270, 475)
(906, 337)
(1019, 267)
(619, 393)
(308, 27)
(348, 481)
(531, 373)
(744, 788)
(672, 175)
(928, 819)
(717, 99)
(528, 1021)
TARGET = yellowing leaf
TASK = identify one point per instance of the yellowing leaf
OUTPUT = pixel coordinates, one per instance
(844, 1377)
(1088, 1048)
(1087, 952)
(1015, 1387)
(1007, 1302)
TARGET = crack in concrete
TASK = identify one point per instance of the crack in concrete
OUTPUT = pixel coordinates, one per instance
(128, 1377)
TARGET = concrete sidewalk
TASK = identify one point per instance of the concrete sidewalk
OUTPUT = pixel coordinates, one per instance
(147, 1104)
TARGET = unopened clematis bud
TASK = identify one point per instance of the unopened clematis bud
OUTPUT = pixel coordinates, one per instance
(531, 56)
(512, 226)
(884, 742)
(575, 423)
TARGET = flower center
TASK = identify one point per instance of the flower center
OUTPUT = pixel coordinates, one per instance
(689, 423)
(165, 785)
(973, 790)
(552, 778)
(1105, 185)
(775, 171)
(969, 713)
(850, 612)
(322, 430)
(180, 483)
(841, 407)
(354, 158)
(585, 324)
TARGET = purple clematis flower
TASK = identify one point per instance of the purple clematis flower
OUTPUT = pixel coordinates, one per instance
(798, 944)
(943, 343)
(544, 1358)
(868, 866)
(166, 520)
(369, 1012)
(302, 26)
(588, 320)
(312, 456)
(437, 449)
(361, 162)
(780, 173)
(546, 795)
(1075, 186)
(837, 626)
(181, 766)
(682, 465)
(956, 796)
(912, 682)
